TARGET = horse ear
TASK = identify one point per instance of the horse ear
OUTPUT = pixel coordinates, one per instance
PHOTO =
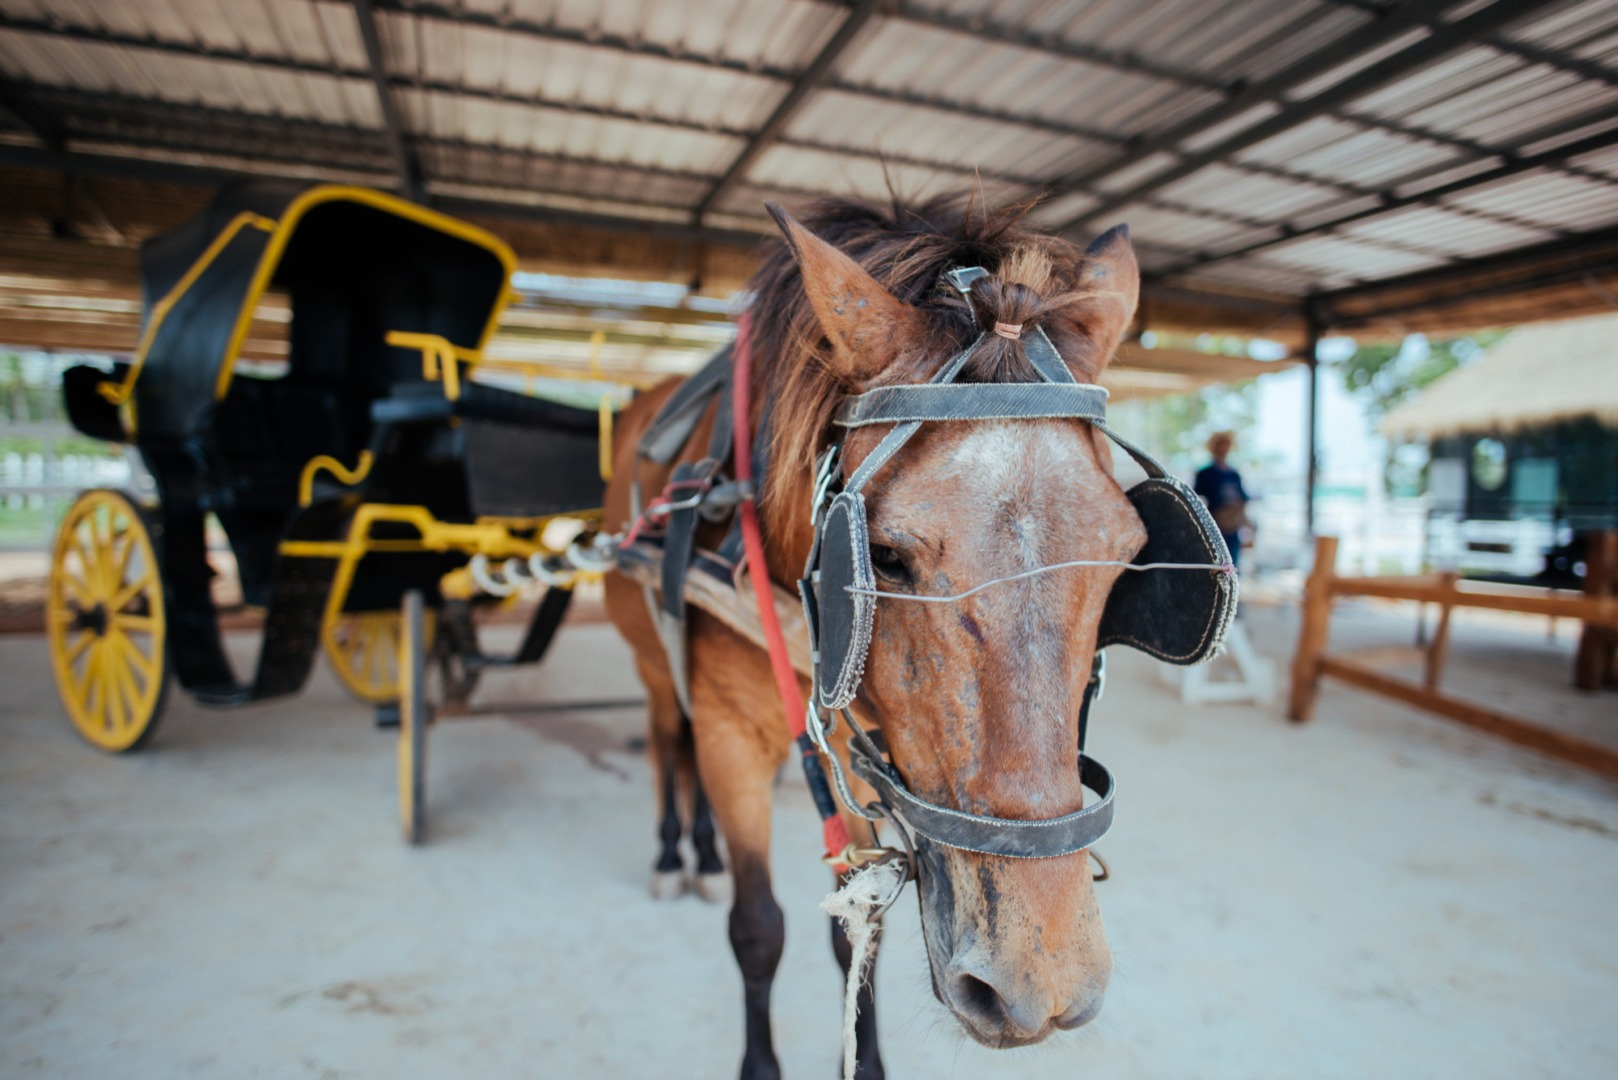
(1110, 276)
(868, 326)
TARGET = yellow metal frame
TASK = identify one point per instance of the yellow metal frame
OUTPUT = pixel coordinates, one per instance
(493, 537)
(114, 699)
(326, 463)
(441, 360)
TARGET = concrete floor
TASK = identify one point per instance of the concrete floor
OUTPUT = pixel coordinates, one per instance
(1380, 894)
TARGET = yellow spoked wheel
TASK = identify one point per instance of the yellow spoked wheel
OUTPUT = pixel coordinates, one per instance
(106, 620)
(414, 713)
(363, 648)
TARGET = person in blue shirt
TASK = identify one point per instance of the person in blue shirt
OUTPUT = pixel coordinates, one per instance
(1221, 488)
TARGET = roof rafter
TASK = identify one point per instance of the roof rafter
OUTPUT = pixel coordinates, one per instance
(1065, 129)
(1428, 197)
(1429, 49)
(1534, 54)
(410, 177)
(275, 132)
(988, 29)
(1557, 262)
(818, 68)
(28, 116)
(1263, 92)
(398, 83)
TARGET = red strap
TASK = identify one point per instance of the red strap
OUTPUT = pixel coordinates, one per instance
(786, 680)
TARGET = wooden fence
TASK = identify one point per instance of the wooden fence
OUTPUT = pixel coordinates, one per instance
(1596, 608)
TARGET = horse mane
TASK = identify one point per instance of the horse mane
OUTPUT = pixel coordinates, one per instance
(907, 247)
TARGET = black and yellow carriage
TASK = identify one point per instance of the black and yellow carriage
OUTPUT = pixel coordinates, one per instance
(361, 486)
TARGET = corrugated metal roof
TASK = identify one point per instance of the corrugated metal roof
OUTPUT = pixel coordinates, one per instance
(1280, 144)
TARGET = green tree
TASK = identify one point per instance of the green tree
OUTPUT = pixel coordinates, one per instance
(1383, 375)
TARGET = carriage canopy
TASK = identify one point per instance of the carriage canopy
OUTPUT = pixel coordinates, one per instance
(355, 265)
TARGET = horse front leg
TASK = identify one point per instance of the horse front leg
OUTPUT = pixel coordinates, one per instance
(868, 1055)
(757, 936)
(737, 769)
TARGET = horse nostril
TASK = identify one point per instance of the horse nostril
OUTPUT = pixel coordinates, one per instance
(979, 1000)
(993, 1019)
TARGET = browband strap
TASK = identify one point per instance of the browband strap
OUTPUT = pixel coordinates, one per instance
(974, 401)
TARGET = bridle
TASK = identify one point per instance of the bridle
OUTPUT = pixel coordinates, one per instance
(839, 594)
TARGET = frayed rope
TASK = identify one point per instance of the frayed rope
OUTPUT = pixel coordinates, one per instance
(852, 905)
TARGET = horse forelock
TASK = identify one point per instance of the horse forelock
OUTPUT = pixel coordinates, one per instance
(907, 247)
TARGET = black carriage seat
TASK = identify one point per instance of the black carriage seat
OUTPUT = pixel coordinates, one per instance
(265, 432)
(523, 456)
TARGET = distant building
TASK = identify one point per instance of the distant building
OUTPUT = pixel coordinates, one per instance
(1524, 452)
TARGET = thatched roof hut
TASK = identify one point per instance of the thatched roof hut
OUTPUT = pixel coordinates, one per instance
(1538, 375)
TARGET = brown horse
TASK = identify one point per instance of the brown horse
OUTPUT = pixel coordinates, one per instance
(979, 701)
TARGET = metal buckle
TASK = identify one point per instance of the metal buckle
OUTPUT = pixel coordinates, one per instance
(1098, 676)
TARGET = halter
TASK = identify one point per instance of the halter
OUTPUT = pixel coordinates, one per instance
(839, 590)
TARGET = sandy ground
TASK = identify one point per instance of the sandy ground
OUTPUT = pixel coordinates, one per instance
(1378, 894)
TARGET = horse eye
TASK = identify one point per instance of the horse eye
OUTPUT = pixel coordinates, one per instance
(890, 566)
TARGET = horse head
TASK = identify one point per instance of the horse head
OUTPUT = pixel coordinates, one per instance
(979, 700)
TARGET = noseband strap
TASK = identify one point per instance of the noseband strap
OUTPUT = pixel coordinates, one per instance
(1009, 837)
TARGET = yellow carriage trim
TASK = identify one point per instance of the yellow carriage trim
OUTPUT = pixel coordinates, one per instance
(345, 476)
(353, 640)
(392, 204)
(440, 360)
(118, 393)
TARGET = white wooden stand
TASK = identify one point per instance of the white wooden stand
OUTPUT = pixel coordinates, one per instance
(1255, 679)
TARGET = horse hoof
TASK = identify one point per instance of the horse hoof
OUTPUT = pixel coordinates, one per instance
(714, 888)
(668, 884)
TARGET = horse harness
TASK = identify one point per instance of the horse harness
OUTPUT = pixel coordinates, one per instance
(1177, 617)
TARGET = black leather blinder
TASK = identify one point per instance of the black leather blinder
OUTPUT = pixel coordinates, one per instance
(840, 620)
(1179, 616)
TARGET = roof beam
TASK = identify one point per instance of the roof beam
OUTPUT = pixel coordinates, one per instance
(1429, 197)
(1534, 54)
(1265, 91)
(80, 163)
(505, 22)
(24, 92)
(1435, 46)
(211, 132)
(27, 115)
(806, 81)
(409, 169)
(1599, 244)
(986, 29)
(396, 83)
